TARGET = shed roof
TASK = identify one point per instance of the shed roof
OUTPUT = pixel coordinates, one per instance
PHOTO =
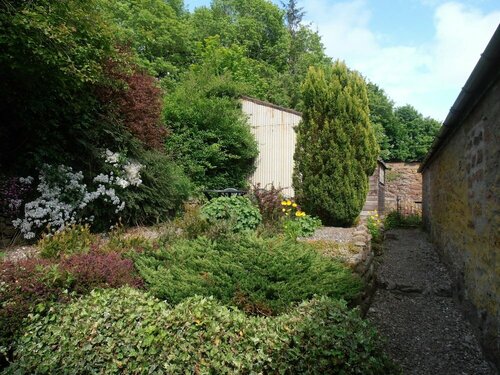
(271, 105)
(484, 75)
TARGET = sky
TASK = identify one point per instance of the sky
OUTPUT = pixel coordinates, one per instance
(421, 52)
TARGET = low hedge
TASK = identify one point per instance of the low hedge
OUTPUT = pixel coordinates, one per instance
(260, 276)
(34, 284)
(127, 331)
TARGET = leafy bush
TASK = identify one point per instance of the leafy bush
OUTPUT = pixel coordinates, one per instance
(35, 284)
(296, 222)
(126, 331)
(137, 101)
(261, 276)
(395, 219)
(269, 202)
(303, 226)
(238, 211)
(74, 239)
(163, 190)
(96, 270)
(26, 285)
(210, 136)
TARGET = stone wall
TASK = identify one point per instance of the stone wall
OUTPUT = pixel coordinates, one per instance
(353, 247)
(403, 180)
(461, 191)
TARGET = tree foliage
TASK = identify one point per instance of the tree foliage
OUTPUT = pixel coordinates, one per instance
(51, 62)
(336, 149)
(136, 101)
(403, 133)
(210, 137)
(156, 30)
(274, 49)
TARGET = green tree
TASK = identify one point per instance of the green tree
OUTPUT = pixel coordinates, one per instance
(413, 134)
(209, 135)
(257, 25)
(381, 117)
(156, 30)
(336, 149)
(257, 78)
(402, 133)
(50, 66)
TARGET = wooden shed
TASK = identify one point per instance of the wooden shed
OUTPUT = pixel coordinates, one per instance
(274, 129)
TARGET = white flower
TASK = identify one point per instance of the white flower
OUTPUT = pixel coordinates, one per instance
(122, 183)
(132, 170)
(112, 157)
(26, 180)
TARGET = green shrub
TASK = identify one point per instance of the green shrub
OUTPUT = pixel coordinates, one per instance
(126, 331)
(74, 239)
(260, 276)
(210, 136)
(238, 211)
(395, 219)
(303, 226)
(336, 149)
(163, 190)
(35, 284)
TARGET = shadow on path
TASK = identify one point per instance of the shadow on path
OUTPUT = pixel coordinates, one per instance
(414, 309)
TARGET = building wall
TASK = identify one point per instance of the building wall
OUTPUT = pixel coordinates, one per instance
(403, 181)
(376, 191)
(274, 130)
(461, 194)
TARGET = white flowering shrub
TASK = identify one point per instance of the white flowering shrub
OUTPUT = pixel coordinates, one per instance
(66, 199)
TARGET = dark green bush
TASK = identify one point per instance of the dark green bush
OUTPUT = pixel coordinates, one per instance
(126, 331)
(210, 136)
(336, 149)
(163, 190)
(240, 212)
(260, 276)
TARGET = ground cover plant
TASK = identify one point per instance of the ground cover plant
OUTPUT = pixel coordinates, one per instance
(126, 331)
(260, 276)
(34, 285)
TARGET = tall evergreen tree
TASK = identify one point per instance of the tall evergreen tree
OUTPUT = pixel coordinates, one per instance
(336, 149)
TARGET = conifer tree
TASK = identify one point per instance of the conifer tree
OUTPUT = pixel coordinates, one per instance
(336, 149)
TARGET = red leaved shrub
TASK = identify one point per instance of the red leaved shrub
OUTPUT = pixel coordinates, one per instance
(98, 270)
(136, 101)
(36, 283)
(269, 201)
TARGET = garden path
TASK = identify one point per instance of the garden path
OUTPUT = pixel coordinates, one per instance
(414, 309)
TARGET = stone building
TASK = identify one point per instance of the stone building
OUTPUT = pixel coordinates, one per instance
(461, 197)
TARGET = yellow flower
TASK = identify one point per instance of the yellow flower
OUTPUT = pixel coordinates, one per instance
(288, 202)
(300, 213)
(294, 205)
(284, 210)
(283, 203)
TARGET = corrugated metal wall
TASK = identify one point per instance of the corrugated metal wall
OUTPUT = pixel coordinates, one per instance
(274, 130)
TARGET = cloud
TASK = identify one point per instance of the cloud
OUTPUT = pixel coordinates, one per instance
(428, 75)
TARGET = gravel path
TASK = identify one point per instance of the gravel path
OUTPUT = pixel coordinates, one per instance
(414, 309)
